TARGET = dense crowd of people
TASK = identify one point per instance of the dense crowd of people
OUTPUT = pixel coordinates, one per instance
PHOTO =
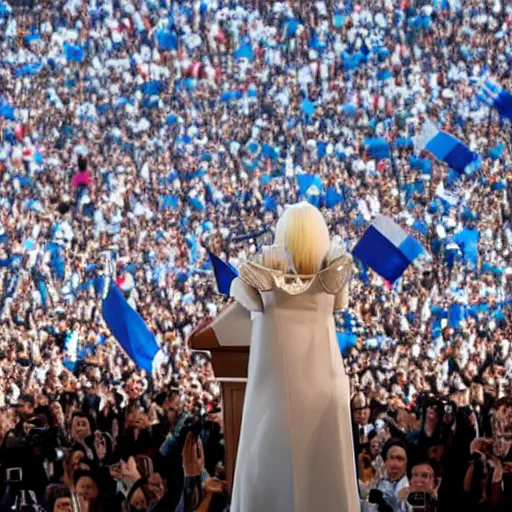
(136, 133)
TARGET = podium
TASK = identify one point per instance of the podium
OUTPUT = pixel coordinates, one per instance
(227, 338)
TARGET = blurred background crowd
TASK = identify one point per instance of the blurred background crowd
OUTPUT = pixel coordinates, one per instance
(136, 133)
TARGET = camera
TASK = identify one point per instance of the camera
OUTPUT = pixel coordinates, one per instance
(14, 475)
(193, 426)
(421, 501)
(38, 436)
(194, 429)
(377, 498)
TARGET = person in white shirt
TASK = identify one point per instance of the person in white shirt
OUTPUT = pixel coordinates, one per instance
(394, 454)
(361, 414)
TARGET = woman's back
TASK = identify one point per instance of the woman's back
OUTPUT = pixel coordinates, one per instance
(295, 336)
(295, 450)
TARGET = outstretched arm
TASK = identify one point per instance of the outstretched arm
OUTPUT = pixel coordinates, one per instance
(246, 295)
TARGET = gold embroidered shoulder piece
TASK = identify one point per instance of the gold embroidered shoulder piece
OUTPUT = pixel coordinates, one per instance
(266, 279)
(292, 284)
(256, 276)
(337, 275)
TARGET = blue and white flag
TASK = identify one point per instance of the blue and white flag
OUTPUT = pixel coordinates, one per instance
(387, 248)
(71, 350)
(129, 329)
(5, 9)
(310, 184)
(447, 148)
(446, 196)
(490, 93)
(311, 188)
(193, 247)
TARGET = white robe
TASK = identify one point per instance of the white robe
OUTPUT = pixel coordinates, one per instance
(296, 449)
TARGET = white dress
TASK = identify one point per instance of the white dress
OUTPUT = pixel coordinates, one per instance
(296, 450)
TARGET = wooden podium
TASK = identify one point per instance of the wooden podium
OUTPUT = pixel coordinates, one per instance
(227, 337)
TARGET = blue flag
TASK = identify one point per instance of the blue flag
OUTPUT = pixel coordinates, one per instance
(74, 53)
(7, 111)
(422, 164)
(384, 74)
(166, 40)
(196, 204)
(351, 62)
(229, 96)
(224, 273)
(29, 70)
(349, 110)
(129, 329)
(5, 9)
(308, 107)
(346, 340)
(244, 52)
(291, 27)
(378, 148)
(153, 88)
(332, 197)
(496, 152)
(468, 241)
(338, 20)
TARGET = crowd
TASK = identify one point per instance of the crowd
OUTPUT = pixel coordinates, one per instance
(136, 133)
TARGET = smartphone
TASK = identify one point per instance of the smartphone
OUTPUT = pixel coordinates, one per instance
(420, 501)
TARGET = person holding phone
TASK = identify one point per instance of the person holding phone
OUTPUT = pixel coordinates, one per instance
(422, 491)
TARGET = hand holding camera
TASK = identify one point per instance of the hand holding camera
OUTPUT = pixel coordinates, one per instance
(421, 501)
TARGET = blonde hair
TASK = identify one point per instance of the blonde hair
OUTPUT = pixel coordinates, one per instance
(303, 232)
(276, 258)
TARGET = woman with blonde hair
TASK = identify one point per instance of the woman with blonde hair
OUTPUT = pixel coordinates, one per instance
(296, 449)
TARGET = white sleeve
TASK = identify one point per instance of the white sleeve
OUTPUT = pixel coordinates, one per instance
(246, 295)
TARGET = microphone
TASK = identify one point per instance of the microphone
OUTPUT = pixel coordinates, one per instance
(255, 234)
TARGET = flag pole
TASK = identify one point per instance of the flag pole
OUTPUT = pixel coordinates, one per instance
(394, 168)
(109, 275)
(509, 143)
